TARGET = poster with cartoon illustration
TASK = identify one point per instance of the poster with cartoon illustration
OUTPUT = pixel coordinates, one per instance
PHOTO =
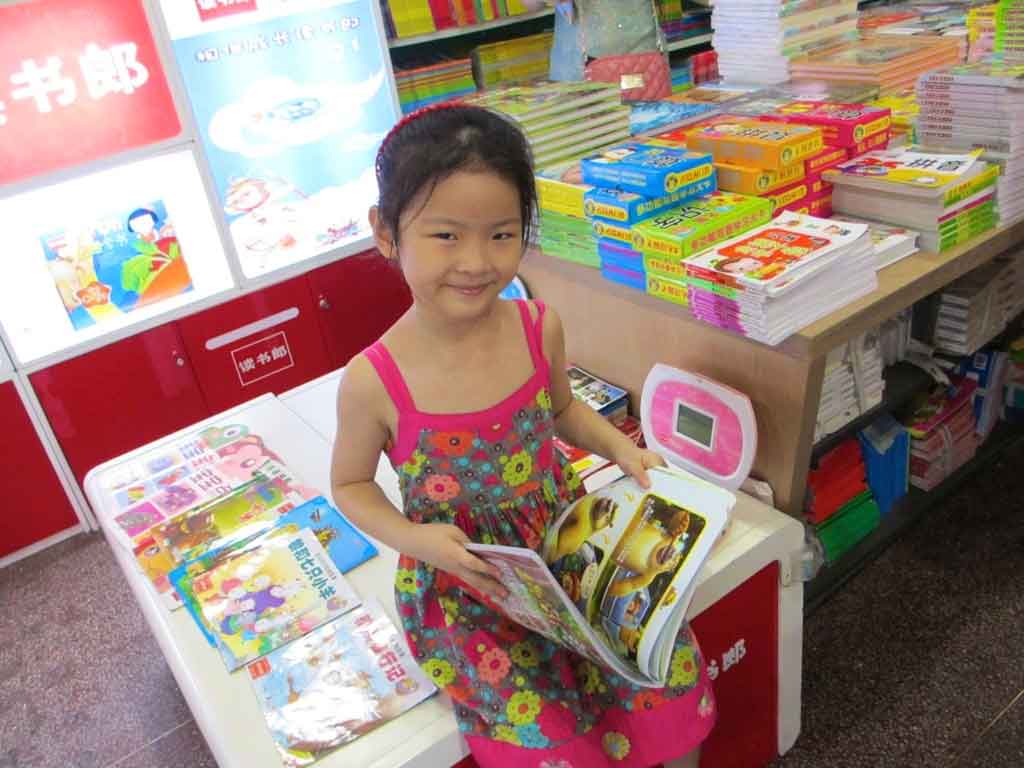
(118, 262)
(337, 683)
(291, 102)
(274, 593)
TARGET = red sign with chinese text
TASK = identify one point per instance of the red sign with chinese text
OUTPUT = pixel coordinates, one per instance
(262, 358)
(79, 80)
(215, 9)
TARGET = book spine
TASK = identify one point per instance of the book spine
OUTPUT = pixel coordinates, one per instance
(668, 289)
(966, 189)
(442, 13)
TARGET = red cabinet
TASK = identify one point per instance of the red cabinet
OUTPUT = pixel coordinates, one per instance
(358, 298)
(35, 505)
(267, 341)
(121, 396)
(739, 637)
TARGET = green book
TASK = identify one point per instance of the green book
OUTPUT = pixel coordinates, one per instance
(677, 234)
(848, 526)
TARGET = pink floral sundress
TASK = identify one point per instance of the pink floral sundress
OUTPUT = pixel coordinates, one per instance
(521, 701)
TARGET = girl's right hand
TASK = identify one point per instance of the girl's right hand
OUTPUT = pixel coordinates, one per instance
(444, 546)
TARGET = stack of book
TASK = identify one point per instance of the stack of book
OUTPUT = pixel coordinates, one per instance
(885, 445)
(776, 160)
(562, 121)
(989, 367)
(840, 504)
(979, 105)
(565, 231)
(974, 309)
(409, 18)
(519, 60)
(631, 183)
(1009, 32)
(943, 432)
(904, 109)
(679, 21)
(423, 86)
(891, 243)
(948, 198)
(853, 384)
(650, 117)
(893, 64)
(981, 31)
(755, 41)
(895, 335)
(781, 276)
(585, 464)
(668, 239)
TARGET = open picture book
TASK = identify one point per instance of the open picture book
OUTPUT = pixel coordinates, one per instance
(617, 570)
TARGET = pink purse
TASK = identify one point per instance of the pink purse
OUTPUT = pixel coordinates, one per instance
(641, 76)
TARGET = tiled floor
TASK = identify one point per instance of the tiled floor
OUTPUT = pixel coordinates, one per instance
(919, 661)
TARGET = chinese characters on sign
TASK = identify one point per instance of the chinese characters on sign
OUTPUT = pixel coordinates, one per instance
(79, 80)
(730, 658)
(260, 359)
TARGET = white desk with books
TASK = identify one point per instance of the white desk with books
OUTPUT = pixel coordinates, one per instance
(758, 665)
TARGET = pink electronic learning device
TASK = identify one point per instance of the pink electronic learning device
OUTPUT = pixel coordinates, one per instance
(699, 425)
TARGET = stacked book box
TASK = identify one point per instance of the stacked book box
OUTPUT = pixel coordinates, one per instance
(840, 505)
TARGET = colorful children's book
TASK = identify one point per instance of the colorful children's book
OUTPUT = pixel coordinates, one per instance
(671, 237)
(757, 143)
(277, 590)
(648, 170)
(772, 257)
(117, 263)
(345, 545)
(337, 683)
(842, 125)
(608, 400)
(757, 181)
(617, 571)
(621, 207)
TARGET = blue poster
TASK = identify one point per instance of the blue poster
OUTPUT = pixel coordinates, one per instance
(290, 111)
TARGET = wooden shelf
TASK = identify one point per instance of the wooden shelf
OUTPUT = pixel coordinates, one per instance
(688, 42)
(899, 286)
(911, 509)
(902, 382)
(402, 42)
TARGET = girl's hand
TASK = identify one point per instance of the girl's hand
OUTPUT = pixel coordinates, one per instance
(444, 546)
(635, 461)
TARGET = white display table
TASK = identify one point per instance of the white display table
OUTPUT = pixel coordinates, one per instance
(298, 426)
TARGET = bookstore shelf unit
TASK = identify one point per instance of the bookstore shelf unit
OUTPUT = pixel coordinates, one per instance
(512, 22)
(622, 332)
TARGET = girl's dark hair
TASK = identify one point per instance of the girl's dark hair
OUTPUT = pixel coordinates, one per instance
(423, 151)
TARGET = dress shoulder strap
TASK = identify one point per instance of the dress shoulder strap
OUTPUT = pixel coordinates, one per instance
(390, 376)
(534, 329)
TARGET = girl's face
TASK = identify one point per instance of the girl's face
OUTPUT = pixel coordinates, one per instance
(461, 245)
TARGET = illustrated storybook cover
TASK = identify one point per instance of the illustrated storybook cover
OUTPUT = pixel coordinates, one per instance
(250, 509)
(617, 571)
(275, 592)
(904, 166)
(345, 545)
(336, 684)
(116, 263)
(773, 255)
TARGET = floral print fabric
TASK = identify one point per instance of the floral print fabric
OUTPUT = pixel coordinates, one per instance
(520, 699)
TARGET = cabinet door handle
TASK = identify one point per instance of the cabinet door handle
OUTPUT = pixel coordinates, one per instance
(324, 304)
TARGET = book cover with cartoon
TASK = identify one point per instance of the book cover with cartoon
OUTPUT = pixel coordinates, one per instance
(617, 570)
(345, 545)
(116, 263)
(270, 595)
(336, 684)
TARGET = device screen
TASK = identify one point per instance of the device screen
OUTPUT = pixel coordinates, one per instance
(697, 426)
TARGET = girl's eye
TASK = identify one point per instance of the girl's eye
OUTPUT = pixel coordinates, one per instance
(504, 236)
(443, 236)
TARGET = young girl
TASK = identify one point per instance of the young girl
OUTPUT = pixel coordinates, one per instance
(465, 394)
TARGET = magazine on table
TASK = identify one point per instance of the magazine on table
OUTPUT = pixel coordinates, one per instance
(617, 570)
